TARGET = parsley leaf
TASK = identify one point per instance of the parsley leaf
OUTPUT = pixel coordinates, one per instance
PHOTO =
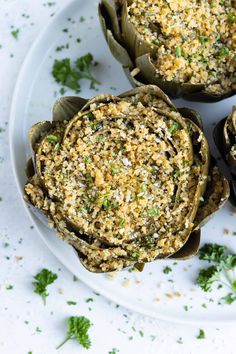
(69, 75)
(229, 298)
(167, 270)
(83, 64)
(207, 277)
(43, 279)
(77, 329)
(222, 272)
(212, 252)
(64, 74)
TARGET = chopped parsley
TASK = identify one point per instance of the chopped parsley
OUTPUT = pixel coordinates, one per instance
(141, 333)
(224, 51)
(101, 139)
(201, 334)
(154, 212)
(78, 329)
(231, 18)
(75, 278)
(229, 298)
(176, 173)
(122, 222)
(135, 256)
(178, 52)
(109, 204)
(221, 273)
(114, 170)
(43, 279)
(15, 33)
(167, 270)
(203, 40)
(174, 127)
(52, 138)
(9, 287)
(71, 303)
(70, 75)
(114, 351)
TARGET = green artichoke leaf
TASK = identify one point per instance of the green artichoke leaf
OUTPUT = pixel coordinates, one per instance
(149, 73)
(65, 108)
(137, 46)
(217, 193)
(106, 10)
(225, 139)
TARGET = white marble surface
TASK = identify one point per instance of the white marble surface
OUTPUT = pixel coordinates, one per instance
(25, 324)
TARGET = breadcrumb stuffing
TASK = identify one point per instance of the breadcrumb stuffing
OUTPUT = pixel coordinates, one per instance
(191, 41)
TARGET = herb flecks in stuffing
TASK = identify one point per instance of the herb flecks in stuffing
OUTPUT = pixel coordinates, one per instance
(189, 40)
(70, 75)
(115, 175)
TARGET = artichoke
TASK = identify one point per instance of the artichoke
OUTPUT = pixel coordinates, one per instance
(187, 51)
(225, 139)
(125, 180)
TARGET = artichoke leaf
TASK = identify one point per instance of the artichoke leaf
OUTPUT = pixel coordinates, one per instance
(225, 139)
(132, 39)
(108, 9)
(65, 108)
(217, 193)
(172, 88)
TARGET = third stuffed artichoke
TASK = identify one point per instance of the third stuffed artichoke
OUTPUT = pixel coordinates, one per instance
(225, 138)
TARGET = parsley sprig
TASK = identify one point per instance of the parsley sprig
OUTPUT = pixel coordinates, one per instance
(69, 75)
(43, 279)
(221, 273)
(78, 329)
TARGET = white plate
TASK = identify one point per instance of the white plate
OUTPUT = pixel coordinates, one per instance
(35, 91)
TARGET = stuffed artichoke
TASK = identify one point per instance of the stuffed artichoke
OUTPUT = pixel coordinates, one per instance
(225, 139)
(187, 48)
(125, 180)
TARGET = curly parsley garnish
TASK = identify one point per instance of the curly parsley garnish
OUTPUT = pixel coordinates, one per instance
(221, 273)
(69, 75)
(43, 279)
(78, 329)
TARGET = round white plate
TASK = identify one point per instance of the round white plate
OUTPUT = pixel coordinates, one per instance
(163, 296)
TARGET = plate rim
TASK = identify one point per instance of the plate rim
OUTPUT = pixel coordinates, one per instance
(12, 118)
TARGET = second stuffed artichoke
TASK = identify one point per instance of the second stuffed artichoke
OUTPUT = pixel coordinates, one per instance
(186, 48)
